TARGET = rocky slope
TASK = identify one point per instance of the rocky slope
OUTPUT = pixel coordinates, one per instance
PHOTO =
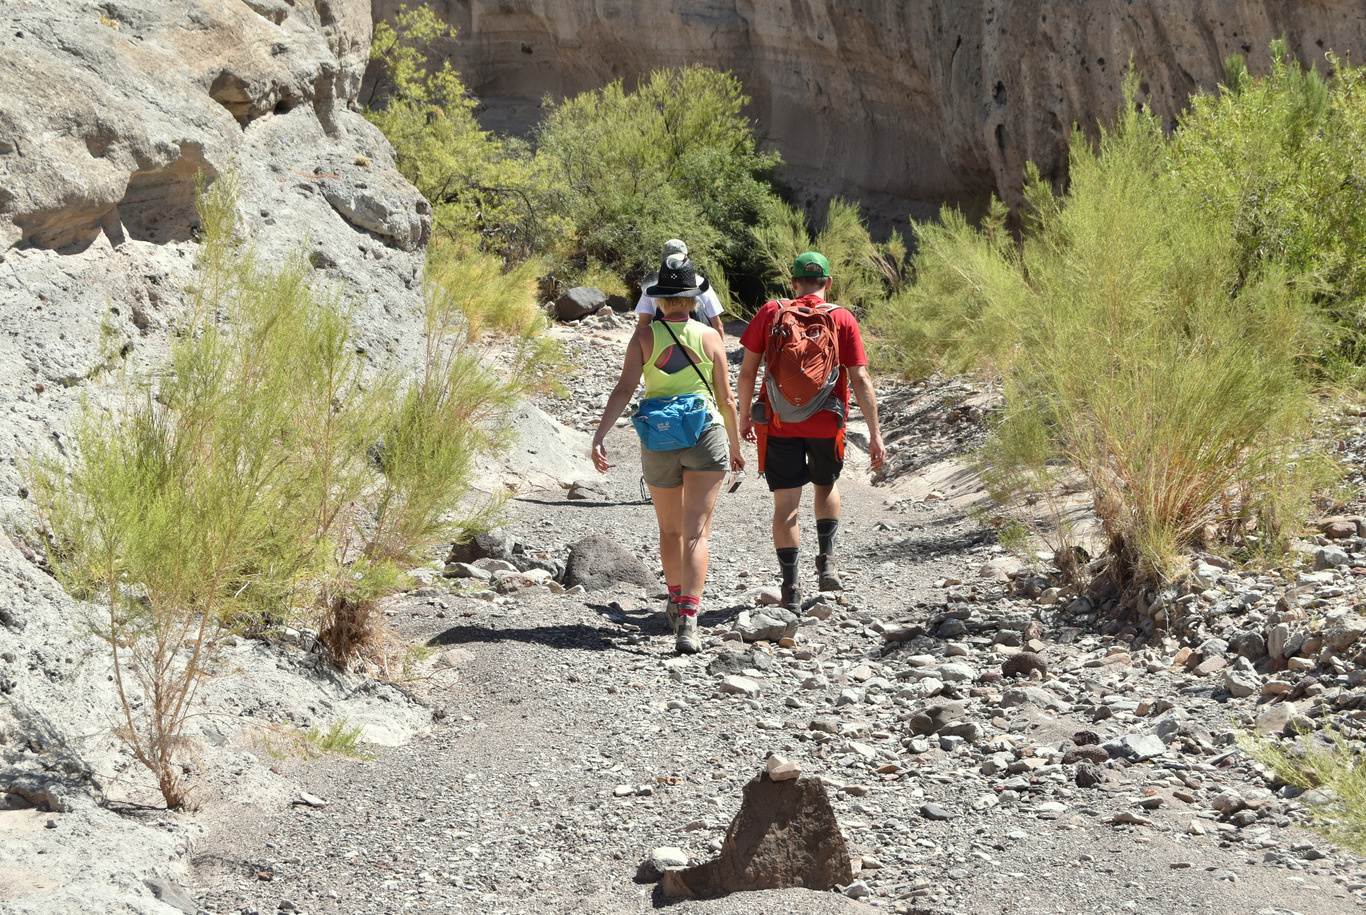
(108, 114)
(901, 106)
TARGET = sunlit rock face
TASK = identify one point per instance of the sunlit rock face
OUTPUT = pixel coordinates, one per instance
(902, 105)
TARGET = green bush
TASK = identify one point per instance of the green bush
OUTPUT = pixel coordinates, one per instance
(673, 158)
(862, 271)
(1278, 159)
(487, 192)
(1331, 763)
(268, 474)
(1134, 351)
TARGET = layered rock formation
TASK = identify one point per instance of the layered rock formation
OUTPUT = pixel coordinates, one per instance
(109, 113)
(900, 105)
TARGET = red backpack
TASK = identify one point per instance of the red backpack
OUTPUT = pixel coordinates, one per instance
(803, 357)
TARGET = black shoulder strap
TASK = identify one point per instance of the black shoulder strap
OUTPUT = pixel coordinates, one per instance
(684, 350)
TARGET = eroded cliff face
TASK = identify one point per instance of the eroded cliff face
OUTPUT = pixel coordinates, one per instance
(108, 112)
(901, 105)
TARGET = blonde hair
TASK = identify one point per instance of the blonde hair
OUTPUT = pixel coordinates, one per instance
(665, 301)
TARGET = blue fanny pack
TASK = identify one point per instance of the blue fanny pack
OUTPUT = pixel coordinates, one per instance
(670, 423)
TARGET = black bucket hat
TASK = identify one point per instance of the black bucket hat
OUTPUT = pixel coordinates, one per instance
(675, 279)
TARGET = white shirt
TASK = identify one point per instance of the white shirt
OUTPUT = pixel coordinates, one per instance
(708, 305)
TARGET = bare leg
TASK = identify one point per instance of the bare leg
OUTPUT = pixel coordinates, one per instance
(786, 532)
(698, 499)
(828, 501)
(669, 513)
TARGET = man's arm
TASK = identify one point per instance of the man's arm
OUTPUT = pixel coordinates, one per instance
(861, 383)
(744, 388)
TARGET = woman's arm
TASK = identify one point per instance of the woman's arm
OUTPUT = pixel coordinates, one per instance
(725, 397)
(621, 394)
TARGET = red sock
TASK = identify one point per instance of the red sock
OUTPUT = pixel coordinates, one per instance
(674, 591)
(688, 606)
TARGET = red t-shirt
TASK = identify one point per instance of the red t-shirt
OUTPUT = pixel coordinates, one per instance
(824, 424)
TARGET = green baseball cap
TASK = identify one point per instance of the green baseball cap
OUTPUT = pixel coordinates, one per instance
(811, 263)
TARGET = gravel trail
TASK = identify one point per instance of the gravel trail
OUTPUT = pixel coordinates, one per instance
(569, 739)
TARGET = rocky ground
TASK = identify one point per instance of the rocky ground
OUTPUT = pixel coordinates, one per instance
(570, 740)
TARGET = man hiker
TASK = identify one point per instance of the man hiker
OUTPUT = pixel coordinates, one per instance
(708, 308)
(814, 357)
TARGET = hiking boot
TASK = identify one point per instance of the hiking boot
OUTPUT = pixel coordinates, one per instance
(687, 641)
(671, 614)
(791, 598)
(829, 573)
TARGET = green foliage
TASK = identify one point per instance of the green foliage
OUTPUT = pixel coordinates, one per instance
(673, 158)
(1134, 350)
(268, 473)
(1278, 159)
(862, 272)
(1335, 766)
(340, 738)
(486, 191)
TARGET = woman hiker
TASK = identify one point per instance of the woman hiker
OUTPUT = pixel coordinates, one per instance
(684, 361)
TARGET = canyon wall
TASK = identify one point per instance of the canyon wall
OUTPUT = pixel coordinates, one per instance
(901, 105)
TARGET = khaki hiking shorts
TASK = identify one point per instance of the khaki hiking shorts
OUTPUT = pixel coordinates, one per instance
(664, 469)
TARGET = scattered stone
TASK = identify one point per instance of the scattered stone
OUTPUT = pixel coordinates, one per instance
(579, 302)
(588, 491)
(597, 562)
(1136, 747)
(742, 686)
(1088, 753)
(658, 861)
(932, 719)
(173, 894)
(1022, 664)
(1241, 680)
(1089, 775)
(780, 768)
(768, 625)
(1329, 557)
(935, 812)
(857, 890)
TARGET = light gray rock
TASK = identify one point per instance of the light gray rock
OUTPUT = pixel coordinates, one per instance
(1277, 638)
(1166, 725)
(658, 860)
(956, 673)
(380, 202)
(742, 686)
(769, 624)
(1329, 557)
(1241, 680)
(1137, 747)
(1033, 695)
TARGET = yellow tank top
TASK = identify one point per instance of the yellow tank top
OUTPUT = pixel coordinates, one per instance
(680, 379)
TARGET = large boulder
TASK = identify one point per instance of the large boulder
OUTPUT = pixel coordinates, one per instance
(785, 835)
(597, 562)
(579, 302)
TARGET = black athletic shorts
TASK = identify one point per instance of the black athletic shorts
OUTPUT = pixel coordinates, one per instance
(790, 463)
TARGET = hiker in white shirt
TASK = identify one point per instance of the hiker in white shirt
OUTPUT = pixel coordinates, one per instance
(708, 305)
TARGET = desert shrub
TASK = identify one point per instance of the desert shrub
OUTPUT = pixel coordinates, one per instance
(1278, 159)
(1332, 763)
(1133, 349)
(268, 473)
(672, 158)
(486, 191)
(862, 271)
